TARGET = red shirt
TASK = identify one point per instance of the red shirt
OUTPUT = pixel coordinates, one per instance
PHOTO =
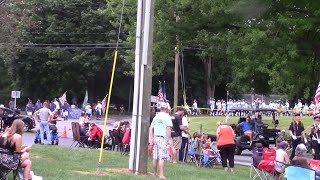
(225, 136)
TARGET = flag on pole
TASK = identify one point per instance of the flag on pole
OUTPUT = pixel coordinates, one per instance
(85, 101)
(316, 99)
(104, 103)
(160, 93)
(63, 98)
(164, 92)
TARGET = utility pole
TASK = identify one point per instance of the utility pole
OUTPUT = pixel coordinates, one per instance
(176, 73)
(142, 87)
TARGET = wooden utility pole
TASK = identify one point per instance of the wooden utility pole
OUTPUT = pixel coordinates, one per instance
(176, 73)
(142, 87)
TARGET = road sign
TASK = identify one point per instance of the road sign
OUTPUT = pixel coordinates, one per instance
(15, 94)
(154, 99)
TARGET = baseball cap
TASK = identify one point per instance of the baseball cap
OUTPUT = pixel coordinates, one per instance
(282, 145)
(317, 116)
(164, 105)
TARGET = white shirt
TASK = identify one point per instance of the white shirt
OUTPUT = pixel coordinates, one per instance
(99, 106)
(56, 104)
(185, 123)
(88, 109)
(279, 158)
(195, 105)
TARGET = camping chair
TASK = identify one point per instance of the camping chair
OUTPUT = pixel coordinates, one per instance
(207, 161)
(126, 142)
(314, 164)
(4, 170)
(295, 172)
(266, 165)
(77, 139)
(115, 139)
(191, 152)
(256, 159)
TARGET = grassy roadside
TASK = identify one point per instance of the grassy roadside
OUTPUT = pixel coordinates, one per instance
(55, 162)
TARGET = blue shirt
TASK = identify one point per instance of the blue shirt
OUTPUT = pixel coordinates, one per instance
(160, 123)
(245, 126)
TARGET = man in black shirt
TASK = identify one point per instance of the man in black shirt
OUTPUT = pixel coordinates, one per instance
(296, 132)
(176, 132)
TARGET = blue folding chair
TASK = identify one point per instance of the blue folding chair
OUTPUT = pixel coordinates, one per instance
(294, 172)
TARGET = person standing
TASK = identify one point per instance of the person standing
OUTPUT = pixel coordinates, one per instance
(38, 105)
(226, 145)
(296, 129)
(178, 127)
(65, 110)
(29, 108)
(160, 139)
(185, 137)
(195, 107)
(44, 115)
(315, 135)
(56, 103)
(98, 110)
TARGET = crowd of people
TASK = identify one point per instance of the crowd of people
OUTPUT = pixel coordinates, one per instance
(218, 107)
(170, 139)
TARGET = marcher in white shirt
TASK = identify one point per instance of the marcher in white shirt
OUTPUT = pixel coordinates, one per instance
(185, 137)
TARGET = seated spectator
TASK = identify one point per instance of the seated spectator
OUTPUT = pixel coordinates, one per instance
(282, 158)
(259, 125)
(197, 143)
(300, 160)
(12, 140)
(84, 133)
(248, 128)
(84, 118)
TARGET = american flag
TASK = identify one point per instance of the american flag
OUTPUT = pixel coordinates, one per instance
(160, 93)
(63, 98)
(316, 99)
(104, 103)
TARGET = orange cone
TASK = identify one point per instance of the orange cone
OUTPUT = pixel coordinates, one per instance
(64, 132)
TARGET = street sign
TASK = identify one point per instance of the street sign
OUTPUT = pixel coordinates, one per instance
(15, 94)
(154, 99)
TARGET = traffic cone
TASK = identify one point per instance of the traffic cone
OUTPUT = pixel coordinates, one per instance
(64, 132)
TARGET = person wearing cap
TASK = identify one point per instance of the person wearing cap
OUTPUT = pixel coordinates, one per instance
(315, 135)
(160, 139)
(282, 158)
(296, 130)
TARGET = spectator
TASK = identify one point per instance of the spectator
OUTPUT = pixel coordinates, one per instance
(121, 109)
(248, 128)
(29, 108)
(44, 116)
(99, 110)
(56, 104)
(226, 145)
(300, 160)
(38, 105)
(65, 110)
(160, 138)
(282, 158)
(195, 107)
(12, 140)
(83, 118)
(88, 110)
(176, 132)
(185, 137)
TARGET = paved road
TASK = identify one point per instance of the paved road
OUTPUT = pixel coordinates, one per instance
(28, 138)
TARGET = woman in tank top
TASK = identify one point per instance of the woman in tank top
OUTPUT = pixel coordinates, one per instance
(11, 139)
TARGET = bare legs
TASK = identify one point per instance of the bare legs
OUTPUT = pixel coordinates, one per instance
(26, 164)
(161, 168)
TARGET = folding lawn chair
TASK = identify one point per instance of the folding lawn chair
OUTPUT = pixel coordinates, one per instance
(5, 170)
(207, 161)
(126, 142)
(266, 165)
(295, 172)
(191, 152)
(77, 139)
(314, 164)
(256, 159)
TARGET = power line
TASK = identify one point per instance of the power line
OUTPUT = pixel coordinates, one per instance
(33, 44)
(74, 47)
(66, 33)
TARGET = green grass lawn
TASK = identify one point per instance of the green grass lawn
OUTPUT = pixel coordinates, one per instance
(56, 162)
(209, 122)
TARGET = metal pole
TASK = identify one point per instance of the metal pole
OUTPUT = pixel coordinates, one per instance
(15, 103)
(135, 105)
(129, 105)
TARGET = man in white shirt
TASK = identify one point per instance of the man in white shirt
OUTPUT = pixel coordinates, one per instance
(56, 103)
(99, 110)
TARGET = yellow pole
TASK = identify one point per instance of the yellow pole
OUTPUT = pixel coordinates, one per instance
(108, 103)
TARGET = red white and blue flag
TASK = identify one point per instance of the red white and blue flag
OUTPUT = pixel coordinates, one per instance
(162, 92)
(316, 99)
(63, 98)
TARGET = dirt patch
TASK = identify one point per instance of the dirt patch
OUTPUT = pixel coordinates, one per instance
(125, 171)
(92, 173)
